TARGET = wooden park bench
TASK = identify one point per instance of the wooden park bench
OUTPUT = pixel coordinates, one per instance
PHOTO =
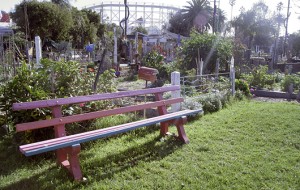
(68, 147)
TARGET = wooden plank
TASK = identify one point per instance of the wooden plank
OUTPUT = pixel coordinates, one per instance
(92, 115)
(67, 141)
(162, 110)
(59, 131)
(96, 97)
(106, 130)
(81, 135)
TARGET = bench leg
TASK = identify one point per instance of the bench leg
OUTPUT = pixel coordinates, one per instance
(181, 132)
(164, 128)
(74, 167)
(61, 156)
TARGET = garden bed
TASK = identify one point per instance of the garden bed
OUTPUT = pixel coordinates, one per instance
(273, 94)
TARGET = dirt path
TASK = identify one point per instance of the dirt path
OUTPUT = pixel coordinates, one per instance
(264, 99)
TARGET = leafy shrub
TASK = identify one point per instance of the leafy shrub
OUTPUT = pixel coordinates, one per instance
(207, 46)
(239, 95)
(261, 78)
(290, 79)
(278, 77)
(242, 86)
(225, 97)
(211, 102)
(156, 60)
(191, 104)
(52, 80)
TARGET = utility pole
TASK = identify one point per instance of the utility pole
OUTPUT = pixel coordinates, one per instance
(286, 29)
(126, 16)
(275, 55)
(214, 16)
(231, 3)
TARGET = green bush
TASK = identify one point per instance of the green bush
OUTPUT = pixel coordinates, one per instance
(191, 104)
(52, 80)
(260, 78)
(242, 86)
(239, 95)
(211, 102)
(225, 97)
(290, 79)
(209, 47)
(155, 60)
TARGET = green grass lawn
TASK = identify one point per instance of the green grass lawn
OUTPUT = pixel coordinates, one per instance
(249, 145)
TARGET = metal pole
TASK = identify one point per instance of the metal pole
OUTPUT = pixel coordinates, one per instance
(115, 49)
(214, 16)
(286, 27)
(126, 9)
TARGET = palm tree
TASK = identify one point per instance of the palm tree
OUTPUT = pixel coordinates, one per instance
(220, 21)
(198, 14)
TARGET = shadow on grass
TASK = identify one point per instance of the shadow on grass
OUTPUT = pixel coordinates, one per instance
(94, 169)
(12, 159)
(107, 167)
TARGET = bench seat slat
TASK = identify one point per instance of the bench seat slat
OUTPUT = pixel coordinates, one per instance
(62, 142)
(58, 140)
(89, 98)
(92, 115)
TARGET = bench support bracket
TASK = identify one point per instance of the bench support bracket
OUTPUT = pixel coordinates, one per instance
(72, 164)
(162, 110)
(181, 132)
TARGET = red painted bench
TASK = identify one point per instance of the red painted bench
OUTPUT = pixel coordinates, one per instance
(68, 147)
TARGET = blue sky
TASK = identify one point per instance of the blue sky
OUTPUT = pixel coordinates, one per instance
(8, 5)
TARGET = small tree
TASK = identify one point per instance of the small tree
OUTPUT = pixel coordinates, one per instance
(46, 19)
(210, 48)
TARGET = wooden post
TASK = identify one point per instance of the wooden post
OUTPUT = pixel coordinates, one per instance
(59, 131)
(201, 67)
(162, 110)
(232, 76)
(298, 96)
(175, 80)
(217, 68)
(290, 92)
(38, 50)
(180, 129)
(115, 49)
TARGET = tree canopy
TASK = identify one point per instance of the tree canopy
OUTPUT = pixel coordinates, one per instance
(58, 21)
(210, 47)
(198, 15)
(255, 27)
(45, 19)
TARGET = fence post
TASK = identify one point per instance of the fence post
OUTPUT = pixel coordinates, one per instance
(38, 50)
(290, 92)
(217, 68)
(201, 67)
(175, 80)
(232, 76)
(115, 50)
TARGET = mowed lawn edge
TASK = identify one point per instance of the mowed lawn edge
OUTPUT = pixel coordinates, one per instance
(248, 145)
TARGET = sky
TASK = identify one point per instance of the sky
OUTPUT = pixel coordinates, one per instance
(8, 5)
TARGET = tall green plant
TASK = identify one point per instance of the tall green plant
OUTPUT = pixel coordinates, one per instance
(261, 78)
(290, 79)
(52, 80)
(209, 47)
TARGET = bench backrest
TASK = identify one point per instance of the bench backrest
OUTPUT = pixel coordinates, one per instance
(59, 121)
